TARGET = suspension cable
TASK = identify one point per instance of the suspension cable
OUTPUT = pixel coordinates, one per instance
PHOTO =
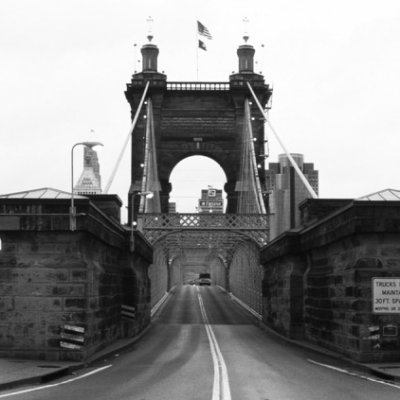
(110, 181)
(289, 156)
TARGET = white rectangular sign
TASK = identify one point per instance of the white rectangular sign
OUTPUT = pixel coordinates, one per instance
(386, 295)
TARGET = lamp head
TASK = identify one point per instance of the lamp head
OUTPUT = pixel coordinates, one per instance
(147, 194)
(92, 144)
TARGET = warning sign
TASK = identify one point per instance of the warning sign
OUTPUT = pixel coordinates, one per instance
(386, 295)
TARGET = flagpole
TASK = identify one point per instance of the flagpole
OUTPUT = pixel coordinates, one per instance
(197, 51)
(197, 62)
(203, 31)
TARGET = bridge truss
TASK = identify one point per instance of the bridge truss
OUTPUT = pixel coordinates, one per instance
(220, 233)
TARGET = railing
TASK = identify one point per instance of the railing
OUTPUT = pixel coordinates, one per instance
(237, 83)
(211, 86)
(205, 221)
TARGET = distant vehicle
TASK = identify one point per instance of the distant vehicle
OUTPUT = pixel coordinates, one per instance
(204, 279)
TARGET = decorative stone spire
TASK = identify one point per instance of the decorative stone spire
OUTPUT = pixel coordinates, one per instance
(246, 51)
(150, 28)
(246, 29)
(149, 51)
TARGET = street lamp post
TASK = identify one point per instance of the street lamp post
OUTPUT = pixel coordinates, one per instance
(147, 194)
(72, 210)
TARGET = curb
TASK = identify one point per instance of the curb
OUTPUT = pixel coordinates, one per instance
(95, 358)
(68, 370)
(44, 378)
(160, 302)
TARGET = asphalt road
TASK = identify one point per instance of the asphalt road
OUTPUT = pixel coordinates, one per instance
(202, 346)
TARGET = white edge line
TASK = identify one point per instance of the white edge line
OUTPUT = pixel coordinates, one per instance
(158, 304)
(54, 384)
(344, 371)
(246, 307)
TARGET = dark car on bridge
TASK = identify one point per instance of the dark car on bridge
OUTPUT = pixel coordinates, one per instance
(204, 279)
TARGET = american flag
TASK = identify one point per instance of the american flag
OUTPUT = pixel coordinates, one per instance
(203, 30)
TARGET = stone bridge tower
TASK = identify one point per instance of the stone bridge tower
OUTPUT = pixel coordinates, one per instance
(196, 118)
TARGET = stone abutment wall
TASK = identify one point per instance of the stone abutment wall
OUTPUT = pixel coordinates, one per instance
(318, 281)
(67, 294)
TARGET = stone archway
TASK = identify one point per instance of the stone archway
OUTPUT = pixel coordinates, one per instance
(192, 175)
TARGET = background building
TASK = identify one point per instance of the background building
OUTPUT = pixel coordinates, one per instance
(287, 191)
(90, 179)
(211, 201)
(172, 207)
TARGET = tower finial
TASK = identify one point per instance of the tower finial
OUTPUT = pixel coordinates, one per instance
(150, 28)
(245, 29)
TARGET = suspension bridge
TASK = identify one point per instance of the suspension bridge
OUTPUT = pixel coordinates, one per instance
(221, 120)
(79, 290)
(128, 269)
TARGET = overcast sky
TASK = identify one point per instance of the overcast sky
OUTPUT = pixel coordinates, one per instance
(334, 67)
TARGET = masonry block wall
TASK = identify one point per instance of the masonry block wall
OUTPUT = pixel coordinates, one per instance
(245, 275)
(318, 281)
(338, 301)
(136, 290)
(282, 288)
(62, 291)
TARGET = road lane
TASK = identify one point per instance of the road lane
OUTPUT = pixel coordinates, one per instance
(174, 361)
(261, 366)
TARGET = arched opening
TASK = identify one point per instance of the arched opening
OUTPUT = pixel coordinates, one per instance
(189, 177)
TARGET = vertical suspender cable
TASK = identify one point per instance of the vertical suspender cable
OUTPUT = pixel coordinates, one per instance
(150, 182)
(145, 182)
(289, 156)
(110, 181)
(146, 163)
(155, 183)
(260, 202)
